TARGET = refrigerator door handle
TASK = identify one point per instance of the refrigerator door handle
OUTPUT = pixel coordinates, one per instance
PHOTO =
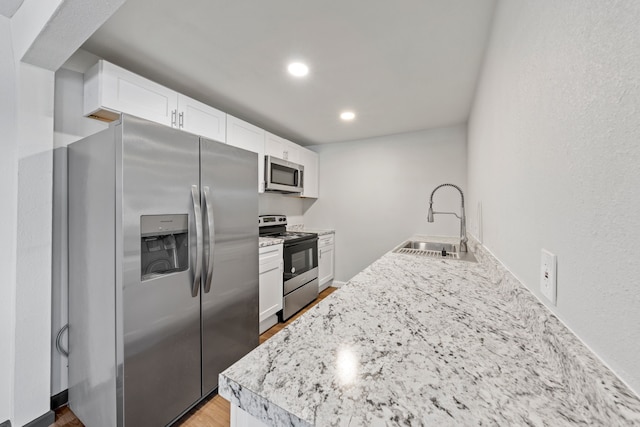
(197, 212)
(210, 222)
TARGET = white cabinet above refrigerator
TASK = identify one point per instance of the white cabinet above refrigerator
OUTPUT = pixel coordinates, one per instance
(110, 90)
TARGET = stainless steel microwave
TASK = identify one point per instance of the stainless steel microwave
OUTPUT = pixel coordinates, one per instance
(283, 176)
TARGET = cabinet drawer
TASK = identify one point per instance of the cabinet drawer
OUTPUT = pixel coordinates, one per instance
(270, 258)
(325, 240)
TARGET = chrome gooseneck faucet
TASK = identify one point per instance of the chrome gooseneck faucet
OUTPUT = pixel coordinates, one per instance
(462, 218)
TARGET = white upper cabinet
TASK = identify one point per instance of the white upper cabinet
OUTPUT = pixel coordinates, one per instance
(309, 159)
(281, 148)
(245, 135)
(110, 90)
(201, 119)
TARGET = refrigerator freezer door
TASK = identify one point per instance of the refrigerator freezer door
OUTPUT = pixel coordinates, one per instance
(230, 299)
(159, 377)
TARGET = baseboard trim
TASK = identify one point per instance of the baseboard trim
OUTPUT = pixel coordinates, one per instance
(59, 400)
(338, 284)
(44, 420)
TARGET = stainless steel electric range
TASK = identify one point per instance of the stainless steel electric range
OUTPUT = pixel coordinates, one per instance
(300, 278)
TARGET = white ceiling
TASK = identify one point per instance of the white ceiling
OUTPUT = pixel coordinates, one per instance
(400, 65)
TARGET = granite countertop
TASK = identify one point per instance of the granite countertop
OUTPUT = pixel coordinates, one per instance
(269, 241)
(423, 341)
(319, 232)
(302, 228)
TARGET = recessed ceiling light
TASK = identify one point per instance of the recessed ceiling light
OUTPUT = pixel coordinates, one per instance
(347, 115)
(298, 69)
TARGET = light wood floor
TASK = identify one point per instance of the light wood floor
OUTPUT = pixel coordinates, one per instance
(211, 412)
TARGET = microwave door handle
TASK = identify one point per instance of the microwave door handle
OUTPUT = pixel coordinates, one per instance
(197, 213)
(211, 225)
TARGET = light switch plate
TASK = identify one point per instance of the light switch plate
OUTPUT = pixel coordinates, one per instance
(548, 284)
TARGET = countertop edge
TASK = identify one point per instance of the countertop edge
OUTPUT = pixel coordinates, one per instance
(256, 405)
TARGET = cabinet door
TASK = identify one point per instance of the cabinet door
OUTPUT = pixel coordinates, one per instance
(325, 260)
(291, 151)
(281, 148)
(325, 265)
(274, 146)
(111, 90)
(270, 262)
(309, 160)
(201, 119)
(245, 135)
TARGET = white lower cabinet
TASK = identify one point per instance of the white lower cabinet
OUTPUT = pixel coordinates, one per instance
(326, 251)
(270, 283)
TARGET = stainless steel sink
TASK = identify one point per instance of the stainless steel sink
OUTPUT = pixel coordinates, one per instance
(434, 250)
(430, 246)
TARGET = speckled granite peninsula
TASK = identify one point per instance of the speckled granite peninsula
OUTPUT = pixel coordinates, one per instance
(419, 341)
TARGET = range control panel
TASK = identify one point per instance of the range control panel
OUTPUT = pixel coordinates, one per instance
(267, 220)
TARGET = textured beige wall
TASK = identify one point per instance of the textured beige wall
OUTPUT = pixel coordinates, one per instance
(554, 159)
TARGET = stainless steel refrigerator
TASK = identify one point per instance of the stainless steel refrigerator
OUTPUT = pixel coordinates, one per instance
(163, 270)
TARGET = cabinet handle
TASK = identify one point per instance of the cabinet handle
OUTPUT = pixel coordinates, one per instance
(173, 118)
(181, 122)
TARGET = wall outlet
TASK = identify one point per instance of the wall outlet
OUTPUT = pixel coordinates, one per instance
(548, 282)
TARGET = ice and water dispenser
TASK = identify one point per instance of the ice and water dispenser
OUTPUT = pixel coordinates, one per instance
(164, 244)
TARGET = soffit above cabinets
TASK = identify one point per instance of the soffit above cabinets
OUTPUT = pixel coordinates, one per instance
(9, 7)
(400, 66)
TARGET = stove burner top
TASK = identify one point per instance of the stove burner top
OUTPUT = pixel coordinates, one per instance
(289, 236)
(276, 226)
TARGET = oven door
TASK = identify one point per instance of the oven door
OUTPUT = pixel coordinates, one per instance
(300, 263)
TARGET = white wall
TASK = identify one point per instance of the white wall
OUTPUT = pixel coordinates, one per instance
(33, 267)
(375, 192)
(26, 122)
(27, 125)
(8, 219)
(280, 204)
(69, 126)
(554, 158)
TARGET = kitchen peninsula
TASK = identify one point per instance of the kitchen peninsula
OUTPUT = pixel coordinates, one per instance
(420, 341)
